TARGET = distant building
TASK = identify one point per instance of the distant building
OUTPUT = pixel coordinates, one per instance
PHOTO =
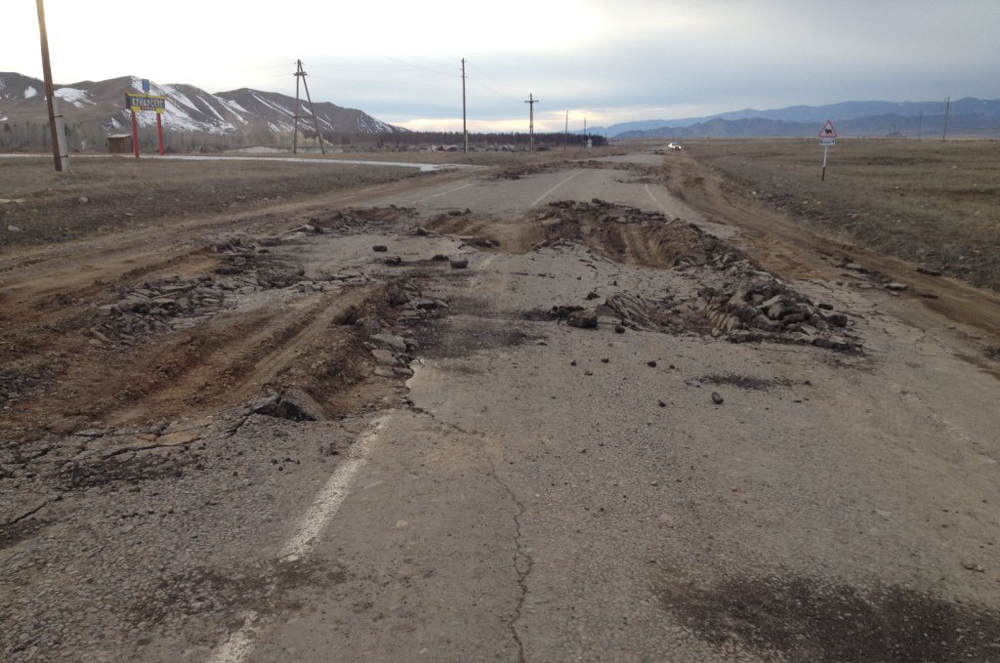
(120, 144)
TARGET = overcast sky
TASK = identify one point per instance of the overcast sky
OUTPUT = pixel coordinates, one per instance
(608, 61)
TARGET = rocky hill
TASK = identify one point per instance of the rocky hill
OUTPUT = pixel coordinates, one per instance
(193, 118)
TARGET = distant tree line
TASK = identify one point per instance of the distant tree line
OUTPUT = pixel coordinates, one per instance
(455, 138)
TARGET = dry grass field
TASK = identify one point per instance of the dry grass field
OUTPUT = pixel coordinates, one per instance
(931, 202)
(101, 194)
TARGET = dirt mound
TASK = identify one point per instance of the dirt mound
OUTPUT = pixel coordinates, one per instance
(620, 232)
(748, 303)
(629, 235)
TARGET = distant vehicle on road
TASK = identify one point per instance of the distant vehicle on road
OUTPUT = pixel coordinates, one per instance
(674, 146)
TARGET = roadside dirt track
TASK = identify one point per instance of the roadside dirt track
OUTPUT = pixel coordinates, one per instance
(252, 436)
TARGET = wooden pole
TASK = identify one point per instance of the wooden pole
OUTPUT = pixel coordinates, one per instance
(465, 130)
(531, 121)
(135, 134)
(61, 133)
(312, 109)
(295, 132)
(49, 91)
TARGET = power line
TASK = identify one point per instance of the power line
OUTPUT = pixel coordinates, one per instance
(489, 89)
(497, 80)
(410, 64)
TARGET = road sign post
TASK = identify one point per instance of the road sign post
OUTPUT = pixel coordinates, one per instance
(827, 137)
(148, 102)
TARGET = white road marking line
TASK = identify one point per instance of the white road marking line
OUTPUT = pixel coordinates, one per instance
(331, 497)
(241, 644)
(444, 193)
(542, 197)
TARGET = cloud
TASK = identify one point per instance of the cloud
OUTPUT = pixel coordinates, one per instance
(613, 61)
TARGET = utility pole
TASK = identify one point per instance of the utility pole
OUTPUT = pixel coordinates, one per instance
(312, 109)
(300, 75)
(920, 125)
(947, 111)
(566, 131)
(49, 91)
(531, 121)
(465, 130)
(295, 121)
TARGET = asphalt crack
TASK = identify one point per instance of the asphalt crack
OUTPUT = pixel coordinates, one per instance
(31, 512)
(447, 424)
(523, 563)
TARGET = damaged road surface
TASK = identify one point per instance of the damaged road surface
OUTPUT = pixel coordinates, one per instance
(543, 415)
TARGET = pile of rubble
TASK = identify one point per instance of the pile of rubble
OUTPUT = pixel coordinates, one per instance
(769, 310)
(744, 303)
(761, 311)
(152, 307)
(359, 221)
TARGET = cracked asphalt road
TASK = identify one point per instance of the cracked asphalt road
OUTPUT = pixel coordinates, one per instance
(540, 492)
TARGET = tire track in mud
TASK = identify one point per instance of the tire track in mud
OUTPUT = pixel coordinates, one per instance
(233, 360)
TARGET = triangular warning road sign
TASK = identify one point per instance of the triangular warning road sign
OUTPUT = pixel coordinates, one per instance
(828, 130)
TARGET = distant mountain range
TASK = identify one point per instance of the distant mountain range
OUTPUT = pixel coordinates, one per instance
(95, 109)
(968, 116)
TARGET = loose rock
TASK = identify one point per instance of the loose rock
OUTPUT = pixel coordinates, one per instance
(586, 319)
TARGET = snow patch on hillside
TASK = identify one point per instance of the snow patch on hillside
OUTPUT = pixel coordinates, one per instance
(212, 108)
(178, 97)
(30, 92)
(235, 105)
(74, 96)
(274, 106)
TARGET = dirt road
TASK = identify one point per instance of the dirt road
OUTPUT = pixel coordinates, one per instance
(253, 437)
